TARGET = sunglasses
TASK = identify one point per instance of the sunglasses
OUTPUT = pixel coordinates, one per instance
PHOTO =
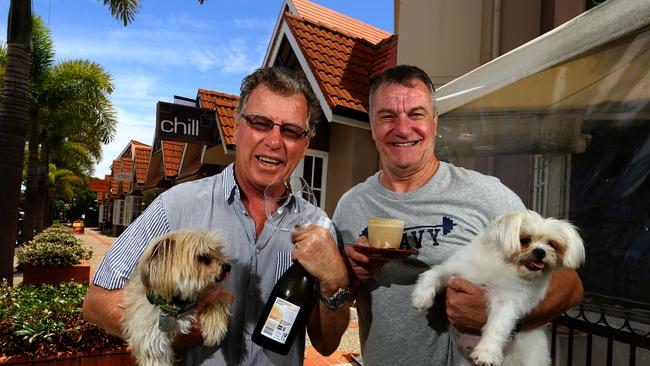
(287, 130)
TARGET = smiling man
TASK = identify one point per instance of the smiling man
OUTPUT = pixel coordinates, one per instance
(443, 207)
(275, 120)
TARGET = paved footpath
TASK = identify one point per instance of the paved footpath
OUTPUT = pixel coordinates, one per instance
(344, 356)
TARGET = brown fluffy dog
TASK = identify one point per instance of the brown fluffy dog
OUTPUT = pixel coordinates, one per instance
(175, 270)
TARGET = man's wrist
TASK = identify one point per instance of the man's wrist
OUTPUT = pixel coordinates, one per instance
(335, 299)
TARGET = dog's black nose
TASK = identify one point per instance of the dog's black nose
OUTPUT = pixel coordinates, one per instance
(539, 253)
(226, 267)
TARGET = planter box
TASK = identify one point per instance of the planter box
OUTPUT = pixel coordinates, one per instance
(119, 356)
(56, 274)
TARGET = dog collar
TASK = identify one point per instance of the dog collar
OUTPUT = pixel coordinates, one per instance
(171, 311)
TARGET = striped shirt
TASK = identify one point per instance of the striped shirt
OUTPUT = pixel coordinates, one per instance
(214, 204)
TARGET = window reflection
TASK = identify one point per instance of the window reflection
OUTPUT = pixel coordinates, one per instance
(574, 142)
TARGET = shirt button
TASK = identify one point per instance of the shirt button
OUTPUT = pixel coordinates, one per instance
(257, 251)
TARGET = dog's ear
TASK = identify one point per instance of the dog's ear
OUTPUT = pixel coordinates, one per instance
(156, 264)
(574, 250)
(503, 233)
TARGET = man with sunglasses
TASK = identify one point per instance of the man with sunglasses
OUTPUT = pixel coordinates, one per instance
(275, 120)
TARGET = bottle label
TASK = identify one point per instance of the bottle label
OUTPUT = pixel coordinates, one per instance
(280, 320)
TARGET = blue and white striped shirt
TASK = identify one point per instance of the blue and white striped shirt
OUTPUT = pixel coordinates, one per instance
(214, 204)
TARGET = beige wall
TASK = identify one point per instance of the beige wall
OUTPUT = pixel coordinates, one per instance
(449, 38)
(216, 155)
(352, 158)
(443, 37)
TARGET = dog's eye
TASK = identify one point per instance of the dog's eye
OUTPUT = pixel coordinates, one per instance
(552, 244)
(204, 258)
(524, 241)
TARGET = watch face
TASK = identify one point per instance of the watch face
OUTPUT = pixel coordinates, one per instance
(337, 299)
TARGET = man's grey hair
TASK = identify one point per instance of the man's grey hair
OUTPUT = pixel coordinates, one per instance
(283, 82)
(403, 75)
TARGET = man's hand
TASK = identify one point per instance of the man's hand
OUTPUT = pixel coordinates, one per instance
(318, 253)
(213, 296)
(363, 268)
(466, 305)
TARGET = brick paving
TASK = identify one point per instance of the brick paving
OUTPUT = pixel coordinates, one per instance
(344, 356)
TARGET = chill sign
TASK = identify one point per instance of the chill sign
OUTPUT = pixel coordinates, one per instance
(184, 123)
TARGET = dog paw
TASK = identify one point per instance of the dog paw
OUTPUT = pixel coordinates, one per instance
(214, 323)
(422, 298)
(484, 356)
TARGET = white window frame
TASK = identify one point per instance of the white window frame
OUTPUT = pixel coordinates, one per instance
(550, 185)
(118, 212)
(299, 171)
(100, 213)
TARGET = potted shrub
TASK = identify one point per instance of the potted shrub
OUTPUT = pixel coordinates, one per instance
(54, 256)
(43, 324)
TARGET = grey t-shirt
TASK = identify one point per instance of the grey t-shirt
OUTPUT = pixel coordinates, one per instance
(439, 217)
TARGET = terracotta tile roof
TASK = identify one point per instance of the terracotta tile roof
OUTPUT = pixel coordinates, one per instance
(192, 168)
(155, 182)
(122, 165)
(142, 154)
(334, 20)
(116, 167)
(172, 151)
(385, 56)
(224, 104)
(342, 64)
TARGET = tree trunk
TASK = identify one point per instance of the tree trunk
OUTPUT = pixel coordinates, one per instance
(31, 188)
(43, 208)
(14, 116)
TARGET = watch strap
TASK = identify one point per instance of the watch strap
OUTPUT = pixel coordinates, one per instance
(338, 298)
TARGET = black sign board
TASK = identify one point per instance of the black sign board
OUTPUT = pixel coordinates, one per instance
(184, 123)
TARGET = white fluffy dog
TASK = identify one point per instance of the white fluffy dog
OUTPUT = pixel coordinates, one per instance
(513, 259)
(173, 273)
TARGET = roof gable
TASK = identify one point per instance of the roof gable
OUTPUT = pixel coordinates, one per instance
(224, 104)
(171, 152)
(335, 20)
(342, 64)
(142, 154)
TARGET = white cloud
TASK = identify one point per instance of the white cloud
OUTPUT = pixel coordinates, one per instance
(233, 59)
(255, 24)
(132, 126)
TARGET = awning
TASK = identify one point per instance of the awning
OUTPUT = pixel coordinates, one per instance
(535, 98)
(591, 29)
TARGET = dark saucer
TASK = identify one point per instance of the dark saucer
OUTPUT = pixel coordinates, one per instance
(383, 253)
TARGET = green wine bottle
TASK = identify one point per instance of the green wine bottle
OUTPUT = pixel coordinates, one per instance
(286, 311)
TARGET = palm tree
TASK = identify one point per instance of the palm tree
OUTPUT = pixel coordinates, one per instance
(42, 56)
(14, 116)
(77, 118)
(62, 183)
(13, 127)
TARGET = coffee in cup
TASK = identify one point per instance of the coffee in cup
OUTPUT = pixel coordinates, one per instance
(385, 233)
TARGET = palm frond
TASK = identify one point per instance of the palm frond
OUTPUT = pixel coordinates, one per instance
(124, 10)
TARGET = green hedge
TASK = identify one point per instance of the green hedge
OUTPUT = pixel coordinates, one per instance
(55, 246)
(44, 320)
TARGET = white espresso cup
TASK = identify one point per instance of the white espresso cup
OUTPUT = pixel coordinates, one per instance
(385, 233)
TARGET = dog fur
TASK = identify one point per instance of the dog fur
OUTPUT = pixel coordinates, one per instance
(513, 259)
(178, 266)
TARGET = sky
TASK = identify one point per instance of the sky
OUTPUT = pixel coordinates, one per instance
(174, 47)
